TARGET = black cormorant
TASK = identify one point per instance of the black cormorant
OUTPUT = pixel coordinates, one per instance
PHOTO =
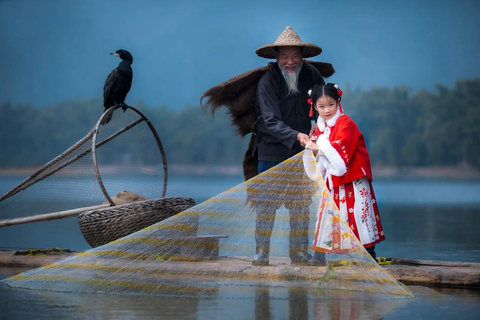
(118, 84)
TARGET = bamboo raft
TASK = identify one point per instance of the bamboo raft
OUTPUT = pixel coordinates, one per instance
(408, 271)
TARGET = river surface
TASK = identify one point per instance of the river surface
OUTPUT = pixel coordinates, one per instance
(433, 219)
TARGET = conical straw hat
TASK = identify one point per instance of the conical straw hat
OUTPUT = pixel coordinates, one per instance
(288, 38)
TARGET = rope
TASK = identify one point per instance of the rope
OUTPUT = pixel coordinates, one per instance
(28, 181)
(384, 261)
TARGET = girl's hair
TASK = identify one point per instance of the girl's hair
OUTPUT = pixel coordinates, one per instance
(330, 90)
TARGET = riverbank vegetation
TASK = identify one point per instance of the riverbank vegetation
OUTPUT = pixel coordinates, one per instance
(402, 128)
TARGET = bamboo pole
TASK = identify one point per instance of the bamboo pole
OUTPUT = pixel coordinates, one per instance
(50, 216)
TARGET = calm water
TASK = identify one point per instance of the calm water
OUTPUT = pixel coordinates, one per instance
(424, 219)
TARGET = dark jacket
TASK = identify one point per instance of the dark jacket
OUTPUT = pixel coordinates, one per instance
(282, 116)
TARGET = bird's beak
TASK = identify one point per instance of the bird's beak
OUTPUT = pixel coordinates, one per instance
(114, 54)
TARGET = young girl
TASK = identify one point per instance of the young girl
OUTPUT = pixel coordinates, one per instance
(343, 160)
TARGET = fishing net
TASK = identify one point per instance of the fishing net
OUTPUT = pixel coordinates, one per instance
(124, 155)
(207, 250)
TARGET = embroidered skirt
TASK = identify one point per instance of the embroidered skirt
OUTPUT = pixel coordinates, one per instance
(358, 209)
(358, 205)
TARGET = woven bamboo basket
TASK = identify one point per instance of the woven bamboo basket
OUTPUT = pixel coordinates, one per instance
(108, 224)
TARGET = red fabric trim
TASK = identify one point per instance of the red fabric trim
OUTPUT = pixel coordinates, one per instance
(350, 202)
(336, 197)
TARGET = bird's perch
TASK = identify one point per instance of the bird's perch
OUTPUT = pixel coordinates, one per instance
(50, 216)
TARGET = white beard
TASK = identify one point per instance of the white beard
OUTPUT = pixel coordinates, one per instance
(292, 79)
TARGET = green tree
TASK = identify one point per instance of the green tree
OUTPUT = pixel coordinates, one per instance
(401, 129)
(385, 118)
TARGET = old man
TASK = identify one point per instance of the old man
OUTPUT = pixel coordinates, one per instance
(282, 130)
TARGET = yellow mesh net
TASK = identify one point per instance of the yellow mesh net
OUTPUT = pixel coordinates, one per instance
(208, 249)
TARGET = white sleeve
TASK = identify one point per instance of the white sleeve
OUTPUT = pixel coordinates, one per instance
(321, 161)
(333, 162)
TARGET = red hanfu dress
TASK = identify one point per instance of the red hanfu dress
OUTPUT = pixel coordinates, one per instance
(344, 162)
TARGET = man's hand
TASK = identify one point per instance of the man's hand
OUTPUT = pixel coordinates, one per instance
(303, 139)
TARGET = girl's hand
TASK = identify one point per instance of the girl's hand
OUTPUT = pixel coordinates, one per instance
(311, 145)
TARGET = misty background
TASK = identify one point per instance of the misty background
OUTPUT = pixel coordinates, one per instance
(402, 65)
(57, 50)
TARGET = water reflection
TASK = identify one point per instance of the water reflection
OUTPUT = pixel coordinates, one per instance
(262, 304)
(422, 220)
(267, 304)
(241, 303)
(298, 304)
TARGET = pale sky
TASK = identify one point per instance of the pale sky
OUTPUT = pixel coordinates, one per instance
(58, 50)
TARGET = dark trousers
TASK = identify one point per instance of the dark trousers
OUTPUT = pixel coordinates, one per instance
(371, 250)
(265, 219)
(298, 236)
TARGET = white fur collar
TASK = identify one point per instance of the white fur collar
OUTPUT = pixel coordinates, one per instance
(330, 122)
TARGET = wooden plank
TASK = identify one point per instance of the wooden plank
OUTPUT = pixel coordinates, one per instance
(194, 248)
(416, 262)
(9, 259)
(438, 273)
(463, 275)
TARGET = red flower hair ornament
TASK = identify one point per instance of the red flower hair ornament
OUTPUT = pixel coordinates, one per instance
(340, 92)
(310, 102)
